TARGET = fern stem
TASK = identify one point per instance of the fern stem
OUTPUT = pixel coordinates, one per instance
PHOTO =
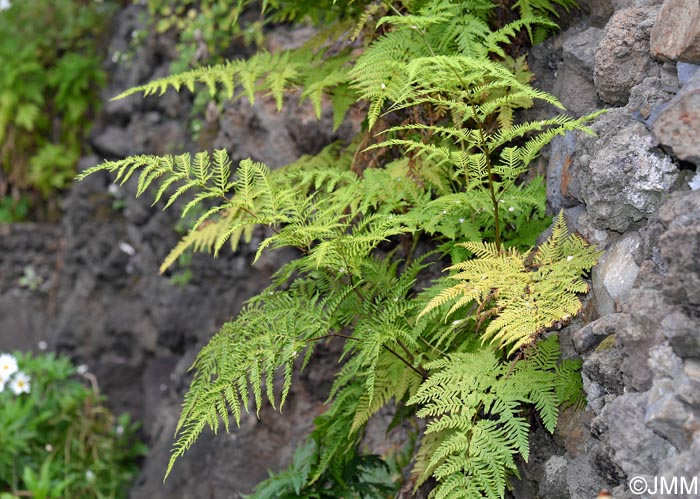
(483, 145)
(412, 358)
(420, 371)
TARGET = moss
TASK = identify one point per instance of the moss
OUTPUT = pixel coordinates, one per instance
(606, 344)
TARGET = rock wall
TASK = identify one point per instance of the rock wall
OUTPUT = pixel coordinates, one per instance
(627, 190)
(90, 287)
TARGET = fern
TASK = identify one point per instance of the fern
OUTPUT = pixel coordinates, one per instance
(527, 299)
(476, 425)
(437, 174)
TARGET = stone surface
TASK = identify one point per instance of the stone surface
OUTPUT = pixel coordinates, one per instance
(636, 448)
(590, 336)
(613, 277)
(677, 124)
(622, 59)
(562, 192)
(685, 71)
(622, 180)
(676, 32)
(574, 84)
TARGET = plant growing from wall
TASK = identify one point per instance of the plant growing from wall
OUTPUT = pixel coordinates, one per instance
(438, 174)
(49, 89)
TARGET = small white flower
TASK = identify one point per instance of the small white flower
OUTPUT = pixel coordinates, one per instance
(82, 369)
(3, 382)
(444, 212)
(511, 209)
(89, 475)
(119, 430)
(48, 447)
(42, 345)
(383, 86)
(8, 365)
(20, 383)
(569, 258)
(461, 220)
(341, 270)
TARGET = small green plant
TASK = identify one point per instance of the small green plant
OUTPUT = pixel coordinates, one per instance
(437, 175)
(49, 90)
(58, 438)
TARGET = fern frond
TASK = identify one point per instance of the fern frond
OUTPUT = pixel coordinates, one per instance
(527, 301)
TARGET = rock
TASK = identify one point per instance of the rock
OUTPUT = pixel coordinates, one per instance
(685, 72)
(648, 98)
(590, 336)
(600, 12)
(677, 124)
(276, 138)
(670, 418)
(561, 192)
(639, 336)
(574, 84)
(664, 363)
(680, 248)
(622, 59)
(636, 448)
(555, 478)
(613, 277)
(676, 33)
(688, 383)
(602, 379)
(622, 180)
(685, 467)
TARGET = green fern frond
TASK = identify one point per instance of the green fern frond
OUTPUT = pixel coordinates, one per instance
(527, 301)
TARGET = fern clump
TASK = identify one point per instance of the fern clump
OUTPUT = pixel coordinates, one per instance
(436, 175)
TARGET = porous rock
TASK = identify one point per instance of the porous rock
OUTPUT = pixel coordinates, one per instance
(622, 59)
(676, 33)
(637, 449)
(622, 180)
(677, 125)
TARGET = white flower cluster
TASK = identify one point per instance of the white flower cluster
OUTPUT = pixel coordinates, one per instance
(10, 373)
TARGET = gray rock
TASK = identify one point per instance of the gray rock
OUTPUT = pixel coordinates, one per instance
(648, 98)
(639, 336)
(613, 277)
(590, 336)
(685, 71)
(602, 379)
(676, 33)
(664, 363)
(561, 191)
(622, 180)
(600, 12)
(688, 383)
(276, 138)
(677, 124)
(680, 248)
(670, 418)
(574, 84)
(622, 60)
(684, 466)
(555, 478)
(637, 449)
